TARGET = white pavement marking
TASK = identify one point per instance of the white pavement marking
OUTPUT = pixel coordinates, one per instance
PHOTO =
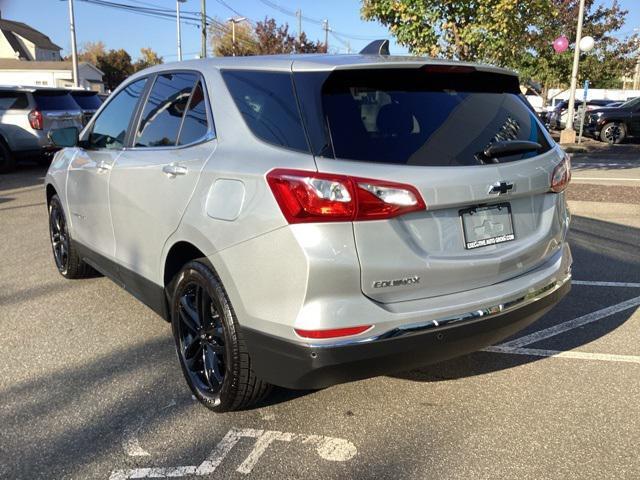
(329, 448)
(571, 324)
(605, 284)
(602, 164)
(600, 179)
(605, 357)
(263, 442)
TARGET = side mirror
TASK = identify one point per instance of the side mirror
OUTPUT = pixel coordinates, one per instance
(64, 137)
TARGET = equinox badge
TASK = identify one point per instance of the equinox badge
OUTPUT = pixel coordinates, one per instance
(400, 282)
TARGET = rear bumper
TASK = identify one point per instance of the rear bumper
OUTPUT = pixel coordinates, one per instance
(302, 366)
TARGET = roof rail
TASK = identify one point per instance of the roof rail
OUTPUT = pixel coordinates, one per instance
(377, 47)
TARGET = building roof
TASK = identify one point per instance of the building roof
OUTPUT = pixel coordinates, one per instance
(17, 47)
(15, 64)
(39, 39)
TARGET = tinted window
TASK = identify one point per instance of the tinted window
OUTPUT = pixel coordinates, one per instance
(110, 128)
(195, 124)
(87, 102)
(419, 117)
(268, 105)
(9, 100)
(163, 112)
(55, 101)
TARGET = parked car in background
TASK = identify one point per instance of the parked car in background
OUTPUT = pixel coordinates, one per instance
(557, 118)
(89, 102)
(290, 218)
(27, 114)
(614, 124)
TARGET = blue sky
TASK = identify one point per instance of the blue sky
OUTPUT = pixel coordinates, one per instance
(118, 29)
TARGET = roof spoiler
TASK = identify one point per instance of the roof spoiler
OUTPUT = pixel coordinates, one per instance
(377, 47)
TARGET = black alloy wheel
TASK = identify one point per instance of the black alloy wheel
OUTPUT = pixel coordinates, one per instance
(201, 337)
(59, 237)
(209, 342)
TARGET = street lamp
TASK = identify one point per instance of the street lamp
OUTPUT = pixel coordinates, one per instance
(233, 30)
(178, 33)
(568, 135)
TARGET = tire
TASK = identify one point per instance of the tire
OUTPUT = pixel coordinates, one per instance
(613, 133)
(65, 255)
(7, 160)
(209, 344)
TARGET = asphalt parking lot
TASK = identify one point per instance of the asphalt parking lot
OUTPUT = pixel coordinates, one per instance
(90, 386)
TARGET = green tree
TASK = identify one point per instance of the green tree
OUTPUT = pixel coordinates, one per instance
(461, 29)
(512, 33)
(148, 58)
(610, 60)
(116, 66)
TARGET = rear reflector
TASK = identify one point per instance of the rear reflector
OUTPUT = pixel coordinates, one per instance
(333, 333)
(325, 197)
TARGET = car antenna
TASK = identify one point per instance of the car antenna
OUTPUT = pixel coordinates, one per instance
(377, 47)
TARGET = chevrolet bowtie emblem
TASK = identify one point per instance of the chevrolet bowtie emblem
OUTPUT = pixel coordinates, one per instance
(501, 188)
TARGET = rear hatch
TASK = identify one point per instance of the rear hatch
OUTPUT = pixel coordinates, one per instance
(488, 218)
(58, 109)
(88, 101)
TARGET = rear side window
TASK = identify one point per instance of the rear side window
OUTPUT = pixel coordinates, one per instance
(163, 112)
(55, 101)
(110, 128)
(87, 102)
(13, 100)
(195, 124)
(417, 117)
(268, 105)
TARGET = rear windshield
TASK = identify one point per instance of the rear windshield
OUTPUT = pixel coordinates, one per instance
(428, 116)
(55, 101)
(87, 102)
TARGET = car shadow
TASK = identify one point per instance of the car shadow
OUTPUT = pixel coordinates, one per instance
(26, 174)
(602, 251)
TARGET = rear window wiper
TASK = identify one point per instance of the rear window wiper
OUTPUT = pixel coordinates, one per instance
(506, 148)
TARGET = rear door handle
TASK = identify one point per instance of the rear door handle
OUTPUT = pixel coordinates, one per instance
(173, 170)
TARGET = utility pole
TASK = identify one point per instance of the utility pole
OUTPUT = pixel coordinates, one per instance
(299, 17)
(74, 49)
(568, 135)
(203, 15)
(233, 30)
(325, 27)
(178, 33)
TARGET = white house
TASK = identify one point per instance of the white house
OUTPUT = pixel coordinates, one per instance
(19, 41)
(29, 58)
(49, 74)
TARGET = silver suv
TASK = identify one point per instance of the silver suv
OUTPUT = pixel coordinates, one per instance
(27, 114)
(305, 221)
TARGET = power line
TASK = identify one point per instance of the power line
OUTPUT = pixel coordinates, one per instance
(316, 21)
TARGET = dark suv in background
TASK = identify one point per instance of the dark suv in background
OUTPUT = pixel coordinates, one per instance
(614, 124)
(89, 101)
(27, 114)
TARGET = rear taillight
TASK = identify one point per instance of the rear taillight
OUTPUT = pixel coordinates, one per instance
(561, 175)
(334, 332)
(35, 119)
(321, 197)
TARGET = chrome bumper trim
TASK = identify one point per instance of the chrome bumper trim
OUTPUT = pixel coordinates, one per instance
(443, 323)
